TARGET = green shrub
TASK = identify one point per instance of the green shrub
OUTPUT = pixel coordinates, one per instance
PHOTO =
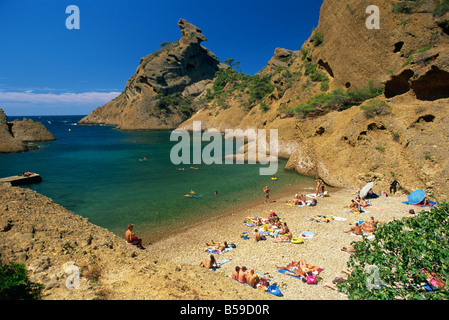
(318, 38)
(406, 6)
(410, 57)
(264, 107)
(15, 285)
(365, 93)
(324, 86)
(401, 252)
(442, 8)
(259, 88)
(337, 98)
(314, 74)
(176, 100)
(376, 108)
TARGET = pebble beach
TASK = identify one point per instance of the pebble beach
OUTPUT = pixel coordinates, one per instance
(322, 250)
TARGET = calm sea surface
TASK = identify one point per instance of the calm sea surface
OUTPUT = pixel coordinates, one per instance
(101, 173)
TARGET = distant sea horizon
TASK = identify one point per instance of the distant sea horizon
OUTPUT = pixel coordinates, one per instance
(116, 177)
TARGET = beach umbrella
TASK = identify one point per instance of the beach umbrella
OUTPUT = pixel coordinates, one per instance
(416, 196)
(365, 189)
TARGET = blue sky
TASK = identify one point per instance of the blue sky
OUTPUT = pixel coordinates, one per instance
(47, 69)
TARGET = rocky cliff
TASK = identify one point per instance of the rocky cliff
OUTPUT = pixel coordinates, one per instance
(165, 88)
(15, 135)
(352, 104)
(355, 104)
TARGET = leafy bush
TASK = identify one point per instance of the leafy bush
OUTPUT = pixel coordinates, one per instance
(324, 86)
(406, 6)
(318, 38)
(337, 98)
(375, 108)
(314, 74)
(410, 57)
(15, 285)
(442, 8)
(259, 88)
(404, 252)
(365, 93)
(163, 102)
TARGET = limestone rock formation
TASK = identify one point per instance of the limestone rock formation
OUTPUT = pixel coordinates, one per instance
(343, 144)
(162, 92)
(14, 135)
(28, 130)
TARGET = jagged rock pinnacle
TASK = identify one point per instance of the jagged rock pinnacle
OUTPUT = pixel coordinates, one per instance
(190, 33)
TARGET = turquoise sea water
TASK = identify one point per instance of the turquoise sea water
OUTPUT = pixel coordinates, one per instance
(97, 172)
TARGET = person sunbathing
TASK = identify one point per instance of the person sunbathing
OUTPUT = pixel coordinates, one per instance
(356, 230)
(209, 264)
(284, 229)
(369, 225)
(218, 246)
(334, 282)
(320, 219)
(258, 221)
(235, 273)
(424, 202)
(356, 208)
(361, 202)
(300, 272)
(349, 249)
(252, 279)
(256, 235)
(284, 238)
(242, 275)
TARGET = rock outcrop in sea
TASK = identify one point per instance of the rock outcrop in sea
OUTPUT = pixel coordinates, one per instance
(15, 135)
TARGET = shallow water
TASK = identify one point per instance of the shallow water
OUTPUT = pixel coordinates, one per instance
(100, 173)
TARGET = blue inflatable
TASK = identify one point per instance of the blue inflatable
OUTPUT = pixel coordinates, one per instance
(416, 196)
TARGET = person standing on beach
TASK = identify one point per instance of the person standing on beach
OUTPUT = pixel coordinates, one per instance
(132, 238)
(394, 186)
(267, 194)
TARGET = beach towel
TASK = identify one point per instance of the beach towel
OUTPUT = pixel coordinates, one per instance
(306, 234)
(289, 270)
(222, 262)
(431, 203)
(228, 248)
(295, 205)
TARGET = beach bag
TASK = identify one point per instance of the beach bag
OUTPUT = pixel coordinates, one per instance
(311, 279)
(411, 211)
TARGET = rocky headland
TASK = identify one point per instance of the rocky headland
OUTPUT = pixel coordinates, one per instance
(353, 104)
(16, 135)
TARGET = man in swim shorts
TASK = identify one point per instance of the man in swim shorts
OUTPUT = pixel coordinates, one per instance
(242, 275)
(356, 229)
(267, 194)
(132, 238)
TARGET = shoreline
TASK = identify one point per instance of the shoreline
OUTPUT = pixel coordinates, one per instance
(323, 250)
(169, 268)
(214, 214)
